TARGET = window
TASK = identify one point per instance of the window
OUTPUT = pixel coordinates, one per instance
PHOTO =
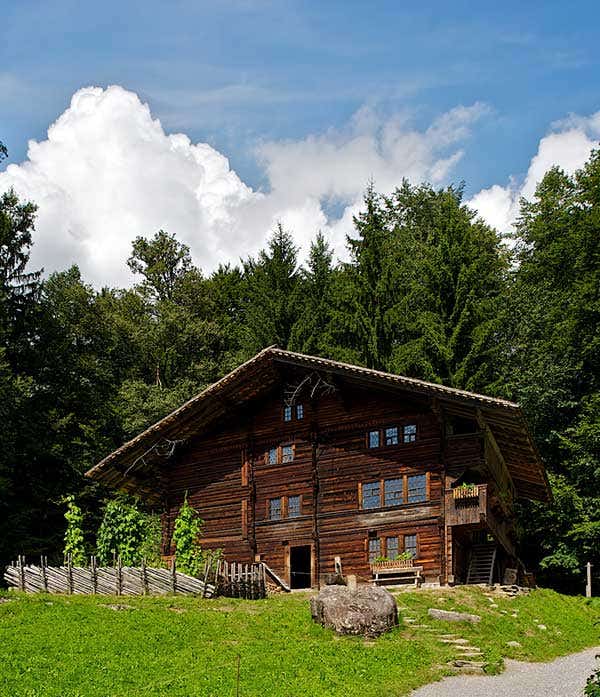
(410, 433)
(299, 411)
(410, 544)
(294, 507)
(391, 548)
(373, 439)
(287, 413)
(275, 509)
(374, 548)
(371, 495)
(417, 488)
(287, 453)
(393, 491)
(391, 436)
(273, 456)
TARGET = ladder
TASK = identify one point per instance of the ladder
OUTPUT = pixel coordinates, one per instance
(481, 564)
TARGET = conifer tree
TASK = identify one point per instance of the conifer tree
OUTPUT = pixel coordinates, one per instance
(271, 289)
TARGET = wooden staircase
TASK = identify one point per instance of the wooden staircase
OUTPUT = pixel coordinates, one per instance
(481, 564)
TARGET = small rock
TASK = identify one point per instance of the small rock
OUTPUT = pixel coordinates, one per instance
(450, 616)
(454, 641)
(493, 605)
(513, 644)
(119, 607)
(514, 614)
(504, 612)
(542, 627)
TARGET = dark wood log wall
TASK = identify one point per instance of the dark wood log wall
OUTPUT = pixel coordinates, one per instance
(228, 479)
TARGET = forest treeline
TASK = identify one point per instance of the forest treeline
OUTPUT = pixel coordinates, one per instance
(429, 291)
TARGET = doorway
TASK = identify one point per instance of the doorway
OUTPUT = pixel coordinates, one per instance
(300, 567)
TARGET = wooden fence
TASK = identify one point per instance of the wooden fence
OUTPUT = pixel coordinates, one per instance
(217, 578)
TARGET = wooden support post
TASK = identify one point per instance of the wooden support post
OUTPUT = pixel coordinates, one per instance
(21, 566)
(43, 576)
(69, 574)
(174, 576)
(588, 587)
(119, 577)
(144, 577)
(94, 574)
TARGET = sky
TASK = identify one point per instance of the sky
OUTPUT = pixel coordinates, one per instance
(214, 121)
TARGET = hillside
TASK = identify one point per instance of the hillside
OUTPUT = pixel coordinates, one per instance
(70, 646)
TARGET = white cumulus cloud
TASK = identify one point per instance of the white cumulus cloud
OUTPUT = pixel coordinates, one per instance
(568, 145)
(108, 172)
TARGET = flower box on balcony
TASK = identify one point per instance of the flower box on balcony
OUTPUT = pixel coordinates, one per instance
(391, 565)
(463, 493)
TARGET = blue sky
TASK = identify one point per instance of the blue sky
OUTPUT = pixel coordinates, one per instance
(236, 74)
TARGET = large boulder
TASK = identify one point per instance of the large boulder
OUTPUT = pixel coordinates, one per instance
(366, 610)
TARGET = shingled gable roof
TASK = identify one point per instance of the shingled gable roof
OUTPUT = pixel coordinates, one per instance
(129, 467)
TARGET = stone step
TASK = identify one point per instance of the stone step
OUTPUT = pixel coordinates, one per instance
(460, 663)
(454, 641)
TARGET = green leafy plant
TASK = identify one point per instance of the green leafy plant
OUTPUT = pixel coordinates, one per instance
(592, 686)
(186, 533)
(74, 538)
(122, 533)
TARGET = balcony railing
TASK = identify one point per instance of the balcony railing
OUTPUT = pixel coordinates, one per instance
(473, 505)
(467, 505)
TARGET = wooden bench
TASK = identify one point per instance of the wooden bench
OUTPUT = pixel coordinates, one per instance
(400, 570)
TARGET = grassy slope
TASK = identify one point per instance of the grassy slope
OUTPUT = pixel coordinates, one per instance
(71, 646)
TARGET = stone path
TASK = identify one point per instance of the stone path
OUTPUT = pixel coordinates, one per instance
(563, 677)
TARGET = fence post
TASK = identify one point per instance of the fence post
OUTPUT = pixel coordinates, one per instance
(94, 574)
(174, 575)
(119, 577)
(69, 574)
(588, 587)
(20, 563)
(144, 577)
(43, 574)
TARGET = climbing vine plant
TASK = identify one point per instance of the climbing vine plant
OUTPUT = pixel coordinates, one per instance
(123, 533)
(74, 538)
(186, 533)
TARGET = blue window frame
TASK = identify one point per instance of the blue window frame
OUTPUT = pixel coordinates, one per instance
(275, 509)
(371, 495)
(410, 433)
(287, 453)
(287, 413)
(417, 488)
(410, 544)
(294, 507)
(299, 411)
(392, 548)
(374, 548)
(374, 439)
(391, 435)
(393, 492)
(273, 453)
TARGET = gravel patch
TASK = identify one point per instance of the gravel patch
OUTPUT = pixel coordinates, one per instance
(563, 677)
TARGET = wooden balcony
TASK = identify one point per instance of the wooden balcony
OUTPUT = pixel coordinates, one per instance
(467, 505)
(475, 506)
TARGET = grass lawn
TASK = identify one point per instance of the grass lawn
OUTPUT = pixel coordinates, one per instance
(67, 646)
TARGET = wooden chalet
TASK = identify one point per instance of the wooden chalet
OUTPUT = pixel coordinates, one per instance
(310, 465)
